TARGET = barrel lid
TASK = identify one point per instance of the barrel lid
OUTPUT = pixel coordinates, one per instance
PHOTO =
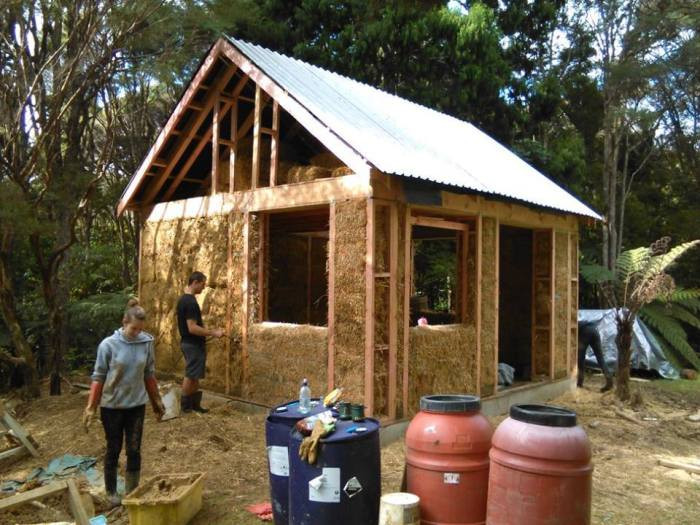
(547, 415)
(290, 411)
(450, 403)
(344, 431)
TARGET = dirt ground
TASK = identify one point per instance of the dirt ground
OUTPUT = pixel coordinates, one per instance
(630, 488)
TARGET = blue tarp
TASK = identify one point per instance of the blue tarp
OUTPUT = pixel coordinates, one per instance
(646, 351)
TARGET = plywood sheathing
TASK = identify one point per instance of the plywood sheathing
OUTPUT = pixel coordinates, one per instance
(281, 355)
(542, 302)
(561, 304)
(350, 296)
(489, 305)
(442, 360)
(171, 250)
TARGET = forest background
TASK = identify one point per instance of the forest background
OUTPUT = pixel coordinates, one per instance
(602, 96)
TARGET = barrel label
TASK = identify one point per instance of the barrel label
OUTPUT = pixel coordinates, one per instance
(279, 461)
(352, 487)
(326, 487)
(451, 478)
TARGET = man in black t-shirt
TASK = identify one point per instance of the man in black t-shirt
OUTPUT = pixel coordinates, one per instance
(193, 342)
(588, 336)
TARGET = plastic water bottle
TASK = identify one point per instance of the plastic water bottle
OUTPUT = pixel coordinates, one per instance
(304, 397)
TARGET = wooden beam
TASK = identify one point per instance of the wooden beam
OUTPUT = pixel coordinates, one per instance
(393, 305)
(495, 299)
(464, 275)
(369, 310)
(274, 143)
(19, 432)
(17, 451)
(568, 305)
(168, 129)
(552, 295)
(215, 147)
(308, 280)
(76, 504)
(24, 497)
(477, 316)
(186, 138)
(233, 149)
(331, 296)
(262, 274)
(437, 222)
(408, 270)
(200, 146)
(255, 170)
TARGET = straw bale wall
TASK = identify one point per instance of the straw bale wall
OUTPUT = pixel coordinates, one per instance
(561, 302)
(542, 263)
(171, 250)
(489, 305)
(573, 276)
(442, 360)
(400, 320)
(382, 294)
(281, 355)
(349, 261)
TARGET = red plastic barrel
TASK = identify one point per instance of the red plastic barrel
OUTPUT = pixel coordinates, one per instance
(447, 460)
(541, 469)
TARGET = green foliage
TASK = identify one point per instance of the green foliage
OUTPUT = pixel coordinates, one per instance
(435, 266)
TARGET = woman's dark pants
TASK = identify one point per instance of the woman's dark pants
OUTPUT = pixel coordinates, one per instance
(122, 425)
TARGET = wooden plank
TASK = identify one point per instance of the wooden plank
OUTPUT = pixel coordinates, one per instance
(185, 140)
(262, 242)
(331, 296)
(245, 302)
(408, 271)
(215, 148)
(203, 141)
(688, 467)
(169, 128)
(233, 149)
(341, 149)
(76, 504)
(17, 451)
(477, 316)
(256, 138)
(308, 279)
(464, 276)
(369, 310)
(20, 433)
(568, 304)
(437, 222)
(393, 305)
(552, 295)
(274, 144)
(496, 293)
(533, 316)
(31, 495)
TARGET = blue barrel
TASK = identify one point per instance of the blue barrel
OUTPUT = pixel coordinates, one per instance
(344, 486)
(278, 425)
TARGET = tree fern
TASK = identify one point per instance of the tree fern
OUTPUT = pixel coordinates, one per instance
(668, 329)
(660, 263)
(688, 299)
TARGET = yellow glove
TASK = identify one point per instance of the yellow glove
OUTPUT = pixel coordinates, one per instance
(159, 409)
(88, 415)
(308, 450)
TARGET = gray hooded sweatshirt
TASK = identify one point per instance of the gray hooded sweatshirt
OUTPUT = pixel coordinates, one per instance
(123, 366)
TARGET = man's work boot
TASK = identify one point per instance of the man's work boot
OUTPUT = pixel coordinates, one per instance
(197, 403)
(608, 384)
(132, 480)
(185, 404)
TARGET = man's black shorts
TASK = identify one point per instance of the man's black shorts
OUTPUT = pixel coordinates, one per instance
(195, 359)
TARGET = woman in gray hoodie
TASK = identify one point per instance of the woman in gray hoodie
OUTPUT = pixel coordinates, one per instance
(123, 379)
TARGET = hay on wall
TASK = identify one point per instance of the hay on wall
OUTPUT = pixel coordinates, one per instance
(281, 355)
(542, 255)
(470, 314)
(561, 302)
(442, 361)
(489, 303)
(349, 261)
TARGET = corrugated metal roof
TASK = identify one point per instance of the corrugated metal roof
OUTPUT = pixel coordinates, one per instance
(403, 138)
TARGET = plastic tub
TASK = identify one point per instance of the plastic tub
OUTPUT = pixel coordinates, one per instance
(170, 499)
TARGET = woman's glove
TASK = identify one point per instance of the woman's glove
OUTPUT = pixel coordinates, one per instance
(88, 415)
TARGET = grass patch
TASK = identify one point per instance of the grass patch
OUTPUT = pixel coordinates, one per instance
(690, 390)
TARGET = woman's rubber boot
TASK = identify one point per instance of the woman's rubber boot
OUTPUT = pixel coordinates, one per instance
(132, 480)
(197, 403)
(608, 384)
(185, 404)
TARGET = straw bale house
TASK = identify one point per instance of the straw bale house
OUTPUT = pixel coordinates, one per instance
(306, 198)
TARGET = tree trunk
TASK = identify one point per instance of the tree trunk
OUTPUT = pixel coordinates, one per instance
(625, 322)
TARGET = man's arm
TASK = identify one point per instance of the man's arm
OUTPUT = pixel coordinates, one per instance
(194, 329)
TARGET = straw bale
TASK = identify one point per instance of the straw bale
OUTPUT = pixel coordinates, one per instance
(327, 160)
(542, 253)
(489, 301)
(281, 355)
(470, 314)
(381, 239)
(400, 290)
(343, 170)
(254, 232)
(442, 360)
(541, 349)
(573, 274)
(381, 344)
(349, 259)
(307, 173)
(561, 297)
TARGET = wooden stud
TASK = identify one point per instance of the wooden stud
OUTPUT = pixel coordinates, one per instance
(369, 310)
(437, 222)
(52, 488)
(245, 301)
(568, 304)
(393, 305)
(552, 294)
(496, 293)
(274, 144)
(256, 138)
(187, 138)
(17, 451)
(408, 271)
(463, 275)
(19, 432)
(477, 316)
(331, 296)
(308, 279)
(233, 149)
(76, 504)
(215, 148)
(262, 243)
